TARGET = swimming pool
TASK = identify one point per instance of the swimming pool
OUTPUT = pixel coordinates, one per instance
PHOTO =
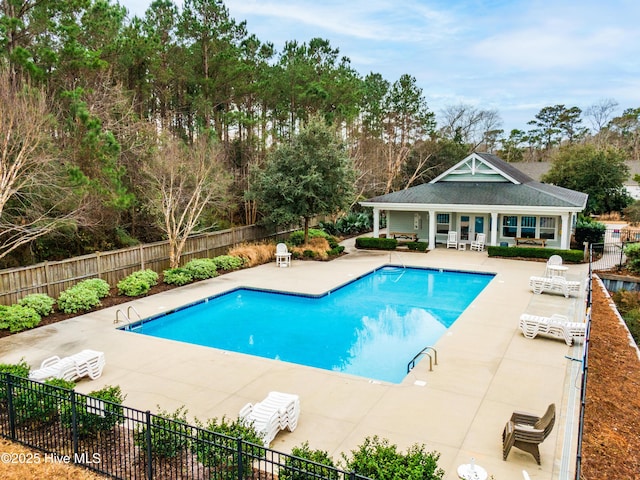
(371, 327)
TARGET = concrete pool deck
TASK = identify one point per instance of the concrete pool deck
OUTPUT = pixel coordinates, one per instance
(486, 368)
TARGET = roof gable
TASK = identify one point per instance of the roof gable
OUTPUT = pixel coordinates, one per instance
(482, 167)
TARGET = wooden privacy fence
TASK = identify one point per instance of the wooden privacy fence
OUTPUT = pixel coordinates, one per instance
(54, 277)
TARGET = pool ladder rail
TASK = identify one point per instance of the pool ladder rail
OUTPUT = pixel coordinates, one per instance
(127, 315)
(425, 351)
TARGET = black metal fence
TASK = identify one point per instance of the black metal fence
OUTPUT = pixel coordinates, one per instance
(585, 366)
(122, 442)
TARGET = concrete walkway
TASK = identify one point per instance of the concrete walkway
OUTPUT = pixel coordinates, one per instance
(486, 368)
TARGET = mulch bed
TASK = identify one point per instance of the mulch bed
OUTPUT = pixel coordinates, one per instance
(611, 438)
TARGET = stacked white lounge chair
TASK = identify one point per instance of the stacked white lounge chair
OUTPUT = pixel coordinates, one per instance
(555, 284)
(557, 326)
(87, 363)
(279, 411)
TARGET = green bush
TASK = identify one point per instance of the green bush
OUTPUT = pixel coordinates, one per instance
(202, 268)
(297, 237)
(632, 251)
(78, 298)
(309, 254)
(20, 369)
(379, 459)
(40, 302)
(138, 283)
(41, 402)
(573, 256)
(589, 231)
(216, 446)
(169, 433)
(334, 252)
(419, 246)
(100, 286)
(227, 263)
(297, 469)
(100, 413)
(17, 318)
(177, 276)
(376, 243)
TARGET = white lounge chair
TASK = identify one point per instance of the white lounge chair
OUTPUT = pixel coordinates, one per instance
(85, 363)
(452, 239)
(277, 412)
(555, 284)
(283, 256)
(478, 243)
(557, 326)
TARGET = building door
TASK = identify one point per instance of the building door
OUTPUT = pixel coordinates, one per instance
(464, 228)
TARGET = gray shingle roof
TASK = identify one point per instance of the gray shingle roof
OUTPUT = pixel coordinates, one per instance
(528, 193)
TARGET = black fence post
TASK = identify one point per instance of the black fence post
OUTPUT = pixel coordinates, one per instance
(352, 475)
(147, 437)
(239, 457)
(12, 414)
(74, 423)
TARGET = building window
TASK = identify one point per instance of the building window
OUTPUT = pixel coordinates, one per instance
(442, 223)
(528, 227)
(548, 228)
(510, 226)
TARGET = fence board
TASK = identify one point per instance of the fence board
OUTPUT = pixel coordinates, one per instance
(112, 266)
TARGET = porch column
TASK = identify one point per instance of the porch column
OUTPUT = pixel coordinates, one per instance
(432, 229)
(376, 222)
(564, 233)
(494, 229)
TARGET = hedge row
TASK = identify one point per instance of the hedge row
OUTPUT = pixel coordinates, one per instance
(575, 256)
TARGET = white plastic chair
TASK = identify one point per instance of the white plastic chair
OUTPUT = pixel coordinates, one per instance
(553, 260)
(478, 243)
(283, 256)
(452, 239)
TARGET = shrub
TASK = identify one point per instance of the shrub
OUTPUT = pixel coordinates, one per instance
(40, 302)
(632, 251)
(297, 237)
(202, 268)
(589, 231)
(376, 243)
(169, 433)
(20, 369)
(41, 402)
(100, 286)
(334, 252)
(78, 298)
(379, 459)
(216, 446)
(419, 246)
(297, 469)
(17, 318)
(574, 256)
(177, 276)
(254, 254)
(100, 413)
(138, 283)
(227, 263)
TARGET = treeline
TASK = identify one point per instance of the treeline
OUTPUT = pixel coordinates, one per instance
(114, 99)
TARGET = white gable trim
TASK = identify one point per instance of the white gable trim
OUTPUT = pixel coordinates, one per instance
(460, 168)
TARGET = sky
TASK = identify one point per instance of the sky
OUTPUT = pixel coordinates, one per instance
(512, 56)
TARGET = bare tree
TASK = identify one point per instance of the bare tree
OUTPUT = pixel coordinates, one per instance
(184, 182)
(35, 195)
(468, 124)
(600, 113)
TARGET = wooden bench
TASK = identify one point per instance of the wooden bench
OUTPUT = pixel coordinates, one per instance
(410, 236)
(531, 242)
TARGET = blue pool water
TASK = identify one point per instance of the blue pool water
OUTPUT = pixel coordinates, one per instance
(371, 327)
